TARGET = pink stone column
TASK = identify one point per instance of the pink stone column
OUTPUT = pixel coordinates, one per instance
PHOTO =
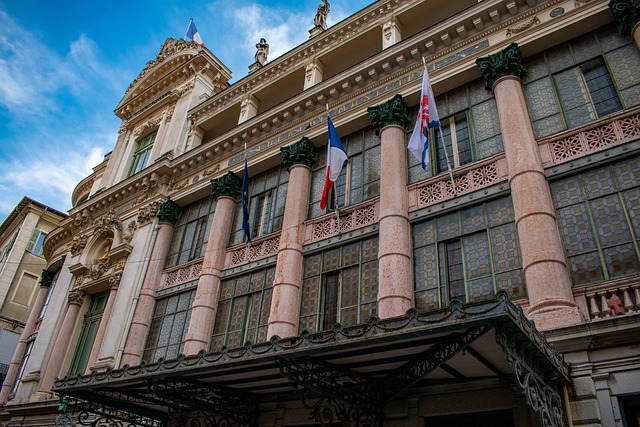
(551, 302)
(287, 284)
(395, 288)
(635, 33)
(29, 327)
(61, 346)
(205, 303)
(134, 346)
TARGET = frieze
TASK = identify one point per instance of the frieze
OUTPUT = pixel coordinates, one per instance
(520, 28)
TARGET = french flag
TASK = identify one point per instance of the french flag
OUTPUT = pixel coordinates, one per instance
(193, 34)
(427, 118)
(336, 160)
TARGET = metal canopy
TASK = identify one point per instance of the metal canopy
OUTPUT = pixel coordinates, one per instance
(346, 374)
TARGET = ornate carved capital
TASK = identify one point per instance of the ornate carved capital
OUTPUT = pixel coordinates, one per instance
(300, 153)
(227, 185)
(392, 112)
(78, 245)
(114, 281)
(76, 296)
(46, 278)
(507, 62)
(146, 213)
(627, 13)
(169, 212)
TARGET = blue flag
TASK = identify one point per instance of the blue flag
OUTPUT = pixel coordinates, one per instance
(245, 202)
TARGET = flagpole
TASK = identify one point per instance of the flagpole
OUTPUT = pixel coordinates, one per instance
(336, 206)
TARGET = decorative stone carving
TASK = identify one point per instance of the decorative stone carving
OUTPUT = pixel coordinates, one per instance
(392, 112)
(81, 219)
(46, 278)
(76, 296)
(302, 152)
(523, 27)
(97, 270)
(114, 281)
(78, 245)
(108, 224)
(129, 232)
(507, 62)
(169, 212)
(627, 13)
(227, 185)
(146, 213)
(147, 126)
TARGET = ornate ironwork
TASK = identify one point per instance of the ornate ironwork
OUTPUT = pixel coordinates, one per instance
(97, 414)
(169, 212)
(507, 62)
(539, 384)
(227, 185)
(392, 112)
(627, 13)
(300, 153)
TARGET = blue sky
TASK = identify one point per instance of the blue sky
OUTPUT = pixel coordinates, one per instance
(65, 65)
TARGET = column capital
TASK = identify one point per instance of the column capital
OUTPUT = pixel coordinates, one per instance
(627, 13)
(169, 212)
(46, 278)
(507, 62)
(392, 112)
(227, 185)
(76, 296)
(300, 153)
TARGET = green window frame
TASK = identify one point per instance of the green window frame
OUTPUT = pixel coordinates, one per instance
(141, 154)
(340, 285)
(168, 326)
(90, 325)
(598, 215)
(243, 309)
(467, 255)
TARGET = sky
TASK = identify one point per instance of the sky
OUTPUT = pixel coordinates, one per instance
(65, 65)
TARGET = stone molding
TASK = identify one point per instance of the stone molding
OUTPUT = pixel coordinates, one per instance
(507, 62)
(302, 152)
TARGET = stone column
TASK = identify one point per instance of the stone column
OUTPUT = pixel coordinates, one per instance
(395, 291)
(287, 285)
(627, 13)
(551, 302)
(46, 279)
(168, 215)
(62, 342)
(226, 190)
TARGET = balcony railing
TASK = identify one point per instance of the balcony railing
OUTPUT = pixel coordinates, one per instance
(611, 299)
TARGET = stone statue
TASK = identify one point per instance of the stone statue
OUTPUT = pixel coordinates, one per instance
(262, 52)
(321, 15)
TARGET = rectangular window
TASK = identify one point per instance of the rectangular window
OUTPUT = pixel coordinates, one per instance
(141, 154)
(603, 93)
(340, 285)
(36, 244)
(467, 255)
(457, 143)
(191, 232)
(243, 310)
(90, 325)
(23, 365)
(267, 197)
(598, 215)
(168, 327)
(358, 181)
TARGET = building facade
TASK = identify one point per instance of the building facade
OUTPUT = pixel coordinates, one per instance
(22, 262)
(500, 286)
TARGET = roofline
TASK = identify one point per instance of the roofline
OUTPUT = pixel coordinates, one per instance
(23, 203)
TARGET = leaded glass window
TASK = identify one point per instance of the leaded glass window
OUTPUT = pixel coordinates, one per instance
(579, 81)
(191, 232)
(467, 255)
(141, 154)
(599, 219)
(90, 325)
(359, 180)
(340, 285)
(267, 197)
(243, 309)
(469, 126)
(169, 327)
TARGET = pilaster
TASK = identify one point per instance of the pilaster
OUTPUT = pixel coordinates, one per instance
(395, 291)
(283, 317)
